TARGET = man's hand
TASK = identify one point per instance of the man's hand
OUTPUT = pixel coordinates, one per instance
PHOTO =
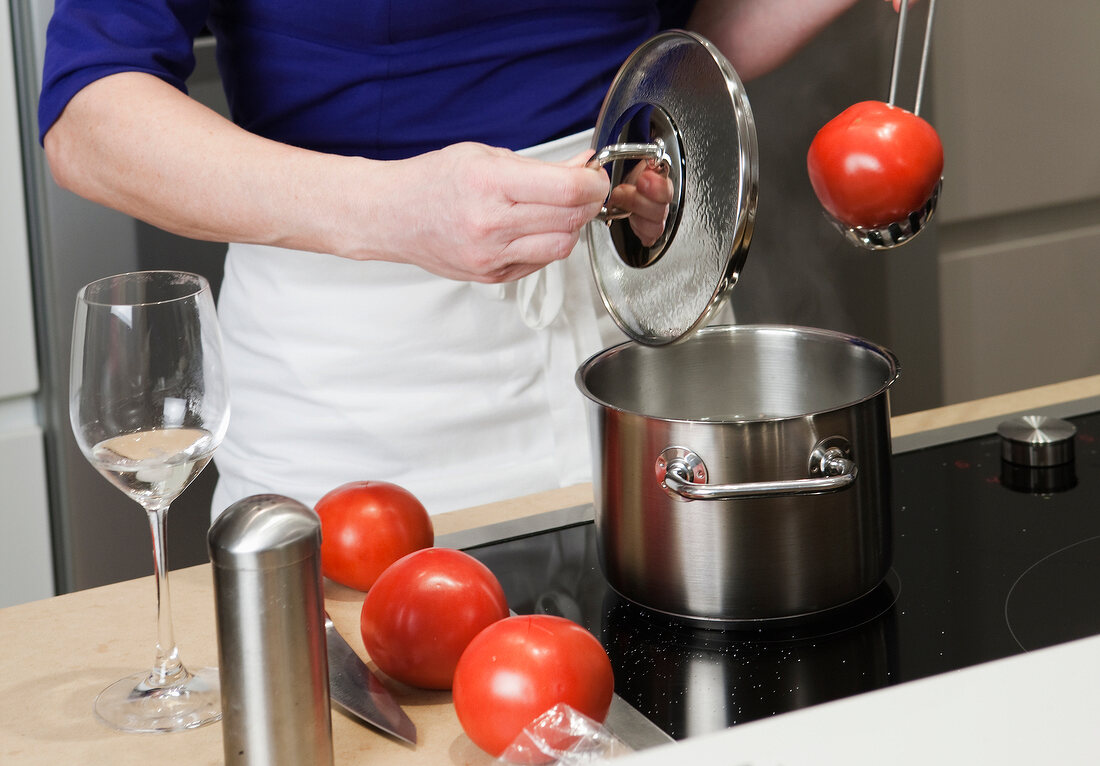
(646, 194)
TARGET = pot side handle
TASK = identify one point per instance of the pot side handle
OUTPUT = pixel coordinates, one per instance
(682, 473)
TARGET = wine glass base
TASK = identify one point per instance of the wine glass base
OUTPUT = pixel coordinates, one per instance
(131, 704)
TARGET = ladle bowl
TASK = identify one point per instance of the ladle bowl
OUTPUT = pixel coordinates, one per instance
(893, 234)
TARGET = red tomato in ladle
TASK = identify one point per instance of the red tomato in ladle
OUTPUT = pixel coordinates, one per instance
(874, 164)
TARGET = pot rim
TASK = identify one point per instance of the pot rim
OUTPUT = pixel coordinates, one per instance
(894, 368)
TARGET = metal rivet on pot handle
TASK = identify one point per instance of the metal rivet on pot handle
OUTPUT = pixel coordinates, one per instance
(654, 154)
(830, 469)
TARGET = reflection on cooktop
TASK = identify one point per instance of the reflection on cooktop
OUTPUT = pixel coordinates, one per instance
(690, 680)
(987, 572)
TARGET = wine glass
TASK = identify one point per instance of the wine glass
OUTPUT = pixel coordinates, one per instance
(149, 404)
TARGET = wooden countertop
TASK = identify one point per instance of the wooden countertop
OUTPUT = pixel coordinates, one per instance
(59, 653)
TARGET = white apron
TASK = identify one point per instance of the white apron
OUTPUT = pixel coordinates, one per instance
(345, 370)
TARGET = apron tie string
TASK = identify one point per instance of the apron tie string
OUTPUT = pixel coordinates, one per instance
(541, 295)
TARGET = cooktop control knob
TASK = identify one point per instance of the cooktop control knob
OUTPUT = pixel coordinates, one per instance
(1037, 454)
(1037, 441)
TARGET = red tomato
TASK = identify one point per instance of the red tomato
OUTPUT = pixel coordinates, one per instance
(518, 668)
(365, 527)
(424, 610)
(874, 164)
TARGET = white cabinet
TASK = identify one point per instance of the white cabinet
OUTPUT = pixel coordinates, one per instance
(1021, 313)
(26, 565)
(26, 568)
(1017, 104)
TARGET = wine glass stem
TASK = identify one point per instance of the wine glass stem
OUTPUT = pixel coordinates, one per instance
(168, 667)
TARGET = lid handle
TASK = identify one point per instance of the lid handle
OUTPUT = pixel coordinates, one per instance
(655, 155)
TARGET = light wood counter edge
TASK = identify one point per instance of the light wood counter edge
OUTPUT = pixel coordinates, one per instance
(515, 508)
(995, 406)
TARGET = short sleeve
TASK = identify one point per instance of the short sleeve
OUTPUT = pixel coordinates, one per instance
(90, 39)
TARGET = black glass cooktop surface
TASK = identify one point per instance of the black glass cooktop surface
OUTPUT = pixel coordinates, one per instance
(988, 562)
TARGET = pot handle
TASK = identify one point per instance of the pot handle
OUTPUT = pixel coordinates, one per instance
(683, 474)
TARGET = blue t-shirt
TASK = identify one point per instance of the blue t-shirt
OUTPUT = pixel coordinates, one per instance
(366, 77)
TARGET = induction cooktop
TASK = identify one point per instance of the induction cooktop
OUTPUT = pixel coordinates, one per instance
(989, 561)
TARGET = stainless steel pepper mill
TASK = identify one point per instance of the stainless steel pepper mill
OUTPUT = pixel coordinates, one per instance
(272, 659)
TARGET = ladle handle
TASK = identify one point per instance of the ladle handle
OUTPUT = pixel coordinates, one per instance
(836, 471)
(898, 44)
(654, 154)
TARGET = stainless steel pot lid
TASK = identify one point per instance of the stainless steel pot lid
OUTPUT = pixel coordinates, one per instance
(676, 102)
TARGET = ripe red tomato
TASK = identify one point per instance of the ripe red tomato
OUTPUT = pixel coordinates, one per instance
(517, 669)
(365, 527)
(424, 610)
(874, 164)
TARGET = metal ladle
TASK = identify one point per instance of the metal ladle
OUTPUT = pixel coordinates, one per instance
(899, 232)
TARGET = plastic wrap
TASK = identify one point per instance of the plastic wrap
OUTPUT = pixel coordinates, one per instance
(564, 736)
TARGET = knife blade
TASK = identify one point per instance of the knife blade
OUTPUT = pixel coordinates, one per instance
(355, 688)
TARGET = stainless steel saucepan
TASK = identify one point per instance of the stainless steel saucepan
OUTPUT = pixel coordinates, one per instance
(742, 474)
